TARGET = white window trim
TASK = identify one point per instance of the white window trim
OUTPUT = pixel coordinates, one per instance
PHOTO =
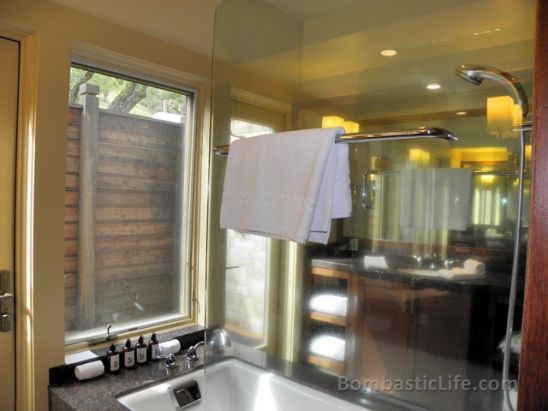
(195, 173)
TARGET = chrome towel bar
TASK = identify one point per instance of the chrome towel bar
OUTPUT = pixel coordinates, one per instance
(426, 132)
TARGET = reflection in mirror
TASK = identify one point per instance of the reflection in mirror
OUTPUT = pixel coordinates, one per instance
(416, 285)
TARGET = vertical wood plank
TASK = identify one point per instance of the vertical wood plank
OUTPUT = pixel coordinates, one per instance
(533, 377)
(87, 198)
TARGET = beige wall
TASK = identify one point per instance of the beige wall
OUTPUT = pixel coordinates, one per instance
(57, 28)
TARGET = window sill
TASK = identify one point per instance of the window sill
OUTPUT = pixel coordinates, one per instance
(187, 336)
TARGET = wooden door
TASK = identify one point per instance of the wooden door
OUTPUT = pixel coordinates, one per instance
(533, 374)
(9, 74)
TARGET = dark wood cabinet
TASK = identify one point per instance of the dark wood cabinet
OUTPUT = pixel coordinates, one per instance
(404, 333)
(401, 329)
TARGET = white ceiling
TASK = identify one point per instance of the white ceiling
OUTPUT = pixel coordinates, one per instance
(314, 9)
(186, 23)
(329, 49)
(334, 52)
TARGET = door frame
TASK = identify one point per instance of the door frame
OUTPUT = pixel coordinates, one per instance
(533, 377)
(533, 380)
(24, 210)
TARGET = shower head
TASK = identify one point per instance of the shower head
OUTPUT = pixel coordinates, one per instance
(475, 74)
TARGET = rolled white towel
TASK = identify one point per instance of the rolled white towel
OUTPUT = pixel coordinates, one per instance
(474, 266)
(89, 370)
(515, 343)
(459, 273)
(169, 347)
(373, 261)
(328, 346)
(329, 304)
(493, 234)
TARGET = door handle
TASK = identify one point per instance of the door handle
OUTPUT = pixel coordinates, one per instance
(6, 302)
(6, 312)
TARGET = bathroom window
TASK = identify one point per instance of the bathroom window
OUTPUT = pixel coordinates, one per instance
(247, 266)
(127, 213)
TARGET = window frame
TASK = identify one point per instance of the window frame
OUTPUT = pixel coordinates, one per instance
(196, 89)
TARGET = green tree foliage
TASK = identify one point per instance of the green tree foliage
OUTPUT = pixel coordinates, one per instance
(77, 78)
(126, 96)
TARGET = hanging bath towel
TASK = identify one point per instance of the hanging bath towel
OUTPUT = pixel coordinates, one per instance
(436, 198)
(287, 185)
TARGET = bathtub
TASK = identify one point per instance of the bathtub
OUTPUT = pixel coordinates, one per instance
(236, 386)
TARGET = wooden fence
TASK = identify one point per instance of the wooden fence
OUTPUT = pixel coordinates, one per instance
(122, 222)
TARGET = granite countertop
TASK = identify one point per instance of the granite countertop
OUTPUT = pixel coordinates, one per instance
(101, 393)
(356, 266)
(68, 394)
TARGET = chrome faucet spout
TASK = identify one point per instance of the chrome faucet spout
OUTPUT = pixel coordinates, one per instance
(191, 354)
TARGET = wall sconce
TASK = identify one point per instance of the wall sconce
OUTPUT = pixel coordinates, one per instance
(336, 121)
(528, 151)
(332, 121)
(500, 115)
(487, 179)
(351, 127)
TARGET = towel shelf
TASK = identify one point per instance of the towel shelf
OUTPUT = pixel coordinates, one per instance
(328, 318)
(335, 366)
(423, 132)
(328, 272)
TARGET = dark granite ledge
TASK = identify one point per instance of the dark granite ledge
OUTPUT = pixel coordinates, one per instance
(101, 393)
(355, 266)
(187, 337)
(66, 393)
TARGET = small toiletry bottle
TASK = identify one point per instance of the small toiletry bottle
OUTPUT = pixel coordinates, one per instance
(153, 348)
(129, 355)
(141, 351)
(113, 360)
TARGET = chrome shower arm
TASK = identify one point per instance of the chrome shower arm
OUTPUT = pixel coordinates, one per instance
(475, 74)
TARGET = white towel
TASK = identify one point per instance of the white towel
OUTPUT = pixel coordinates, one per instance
(515, 343)
(436, 198)
(375, 261)
(342, 197)
(287, 185)
(474, 265)
(89, 370)
(328, 346)
(169, 347)
(459, 273)
(329, 304)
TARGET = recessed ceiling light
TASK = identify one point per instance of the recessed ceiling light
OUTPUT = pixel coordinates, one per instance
(388, 53)
(460, 113)
(433, 86)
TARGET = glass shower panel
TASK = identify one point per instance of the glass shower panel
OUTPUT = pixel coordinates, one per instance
(405, 307)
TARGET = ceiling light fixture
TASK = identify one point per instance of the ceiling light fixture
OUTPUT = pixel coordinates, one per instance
(388, 53)
(433, 86)
(460, 113)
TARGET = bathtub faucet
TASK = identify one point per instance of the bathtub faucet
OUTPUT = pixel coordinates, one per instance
(219, 340)
(191, 354)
